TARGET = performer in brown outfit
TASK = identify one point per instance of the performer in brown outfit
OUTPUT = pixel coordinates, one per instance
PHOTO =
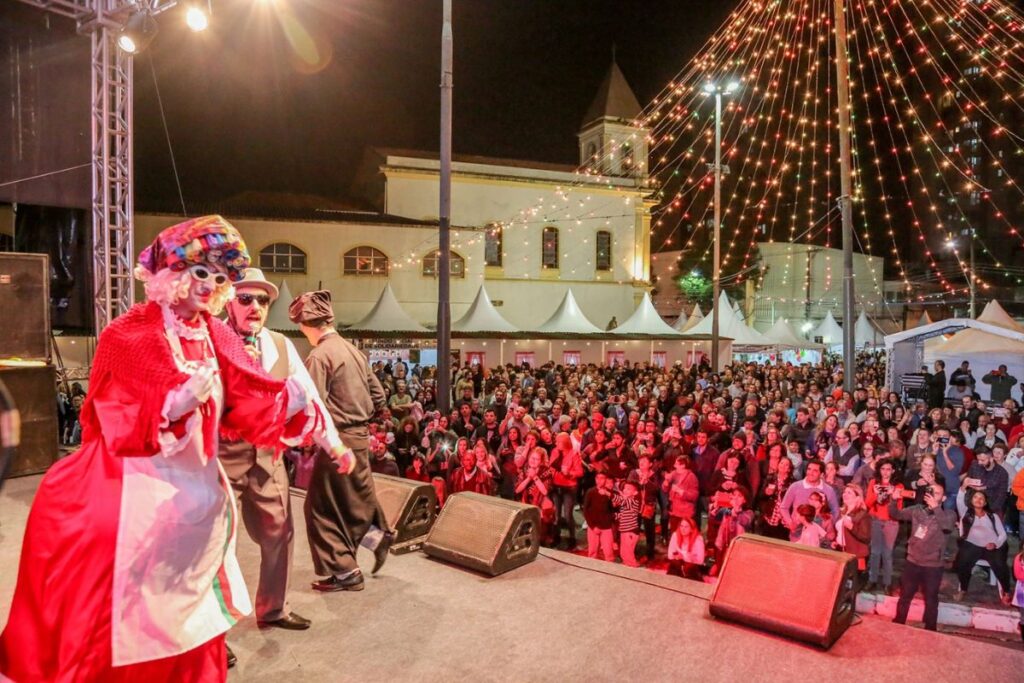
(341, 511)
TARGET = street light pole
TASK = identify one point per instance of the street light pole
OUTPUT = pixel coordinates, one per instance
(717, 274)
(845, 195)
(971, 281)
(444, 314)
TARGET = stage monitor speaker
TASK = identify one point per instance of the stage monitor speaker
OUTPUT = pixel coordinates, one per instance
(25, 299)
(34, 390)
(490, 535)
(793, 590)
(409, 508)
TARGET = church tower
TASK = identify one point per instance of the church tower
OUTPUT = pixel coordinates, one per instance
(610, 141)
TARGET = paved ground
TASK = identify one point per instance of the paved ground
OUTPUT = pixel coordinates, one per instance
(559, 618)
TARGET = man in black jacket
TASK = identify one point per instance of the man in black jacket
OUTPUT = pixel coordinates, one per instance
(937, 385)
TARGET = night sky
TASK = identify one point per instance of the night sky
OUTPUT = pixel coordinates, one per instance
(249, 109)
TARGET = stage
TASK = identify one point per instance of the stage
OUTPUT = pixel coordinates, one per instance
(560, 618)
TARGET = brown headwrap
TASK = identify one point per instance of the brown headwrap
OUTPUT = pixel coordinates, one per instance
(312, 308)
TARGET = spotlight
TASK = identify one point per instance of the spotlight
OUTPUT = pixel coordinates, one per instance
(709, 88)
(732, 87)
(138, 33)
(197, 19)
(806, 327)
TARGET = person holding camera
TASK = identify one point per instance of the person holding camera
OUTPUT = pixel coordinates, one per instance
(949, 459)
(982, 537)
(882, 490)
(929, 526)
(1002, 383)
(987, 476)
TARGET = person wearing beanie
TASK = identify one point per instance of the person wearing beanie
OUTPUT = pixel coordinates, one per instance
(342, 512)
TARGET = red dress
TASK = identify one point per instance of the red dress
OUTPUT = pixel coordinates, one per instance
(77, 567)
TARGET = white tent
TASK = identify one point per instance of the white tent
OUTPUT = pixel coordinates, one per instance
(680, 324)
(984, 350)
(865, 333)
(569, 319)
(482, 316)
(993, 339)
(277, 317)
(829, 330)
(729, 325)
(645, 320)
(783, 334)
(925, 319)
(695, 317)
(387, 315)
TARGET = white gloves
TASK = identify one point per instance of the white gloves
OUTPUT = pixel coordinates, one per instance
(192, 393)
(298, 397)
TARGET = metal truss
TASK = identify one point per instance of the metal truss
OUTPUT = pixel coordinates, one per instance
(112, 89)
(112, 178)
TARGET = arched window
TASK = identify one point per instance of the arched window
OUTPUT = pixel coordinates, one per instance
(549, 248)
(456, 264)
(365, 261)
(627, 158)
(282, 257)
(591, 152)
(493, 245)
(604, 250)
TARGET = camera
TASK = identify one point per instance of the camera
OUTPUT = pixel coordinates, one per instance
(944, 440)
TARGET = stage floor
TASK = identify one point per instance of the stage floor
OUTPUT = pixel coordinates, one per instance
(561, 618)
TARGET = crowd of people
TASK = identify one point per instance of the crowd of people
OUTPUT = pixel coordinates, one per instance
(670, 464)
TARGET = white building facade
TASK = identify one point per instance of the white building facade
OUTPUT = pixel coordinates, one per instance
(528, 231)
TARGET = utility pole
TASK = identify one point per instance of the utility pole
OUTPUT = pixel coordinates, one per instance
(717, 276)
(971, 281)
(846, 194)
(444, 313)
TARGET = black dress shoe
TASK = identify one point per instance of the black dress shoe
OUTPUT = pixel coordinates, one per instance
(380, 553)
(291, 622)
(333, 584)
(232, 659)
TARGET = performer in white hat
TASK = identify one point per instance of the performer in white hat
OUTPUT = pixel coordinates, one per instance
(259, 478)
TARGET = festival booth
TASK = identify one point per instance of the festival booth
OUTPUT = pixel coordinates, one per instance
(829, 333)
(688, 323)
(790, 346)
(866, 334)
(993, 339)
(388, 333)
(984, 350)
(483, 336)
(747, 343)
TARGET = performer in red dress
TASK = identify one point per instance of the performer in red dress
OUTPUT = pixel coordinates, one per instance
(128, 569)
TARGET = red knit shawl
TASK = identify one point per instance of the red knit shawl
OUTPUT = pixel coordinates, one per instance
(133, 354)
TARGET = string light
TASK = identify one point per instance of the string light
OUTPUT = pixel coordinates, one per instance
(927, 79)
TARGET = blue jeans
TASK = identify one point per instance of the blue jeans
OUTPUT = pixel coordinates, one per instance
(564, 499)
(883, 540)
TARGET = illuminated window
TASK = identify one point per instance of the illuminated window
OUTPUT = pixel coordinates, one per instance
(456, 264)
(549, 248)
(365, 261)
(492, 245)
(282, 257)
(604, 250)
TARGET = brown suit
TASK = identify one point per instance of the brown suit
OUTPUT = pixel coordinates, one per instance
(340, 509)
(262, 486)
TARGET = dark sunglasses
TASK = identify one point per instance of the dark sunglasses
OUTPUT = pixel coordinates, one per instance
(247, 299)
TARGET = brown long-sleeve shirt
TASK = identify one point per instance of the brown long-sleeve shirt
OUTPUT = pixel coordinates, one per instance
(347, 385)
